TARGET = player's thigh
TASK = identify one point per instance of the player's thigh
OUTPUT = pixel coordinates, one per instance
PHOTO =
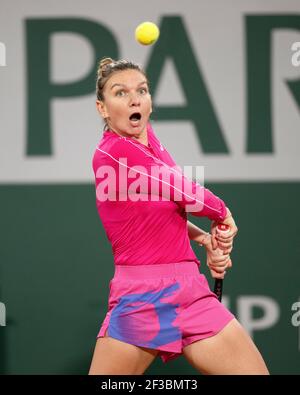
(231, 351)
(112, 356)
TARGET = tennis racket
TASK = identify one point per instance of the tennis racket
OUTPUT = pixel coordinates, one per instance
(218, 288)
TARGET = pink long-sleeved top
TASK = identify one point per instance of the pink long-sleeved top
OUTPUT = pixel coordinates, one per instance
(143, 199)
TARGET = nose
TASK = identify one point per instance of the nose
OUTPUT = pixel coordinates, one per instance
(134, 99)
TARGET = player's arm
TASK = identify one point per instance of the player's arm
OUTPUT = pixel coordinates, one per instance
(216, 261)
(197, 234)
(202, 237)
(161, 180)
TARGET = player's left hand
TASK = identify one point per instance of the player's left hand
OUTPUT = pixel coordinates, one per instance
(224, 240)
(217, 260)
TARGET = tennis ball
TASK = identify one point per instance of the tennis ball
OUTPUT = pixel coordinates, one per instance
(147, 33)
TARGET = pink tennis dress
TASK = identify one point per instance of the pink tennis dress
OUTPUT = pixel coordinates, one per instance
(158, 298)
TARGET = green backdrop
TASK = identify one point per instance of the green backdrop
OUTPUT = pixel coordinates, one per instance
(236, 113)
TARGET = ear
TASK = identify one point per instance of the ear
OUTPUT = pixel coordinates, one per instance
(101, 108)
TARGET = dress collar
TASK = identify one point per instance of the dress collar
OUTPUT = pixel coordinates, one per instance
(109, 132)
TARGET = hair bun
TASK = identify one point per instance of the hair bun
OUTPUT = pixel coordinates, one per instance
(103, 65)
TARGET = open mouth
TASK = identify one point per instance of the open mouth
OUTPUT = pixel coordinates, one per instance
(135, 117)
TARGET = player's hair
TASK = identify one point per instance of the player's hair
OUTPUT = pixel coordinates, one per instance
(107, 67)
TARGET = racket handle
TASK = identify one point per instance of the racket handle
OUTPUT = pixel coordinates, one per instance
(223, 227)
(218, 288)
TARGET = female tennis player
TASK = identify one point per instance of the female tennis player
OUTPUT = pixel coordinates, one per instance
(159, 303)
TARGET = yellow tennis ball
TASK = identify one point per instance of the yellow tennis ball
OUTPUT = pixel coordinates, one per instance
(147, 33)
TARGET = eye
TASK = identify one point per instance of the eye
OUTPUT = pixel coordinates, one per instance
(143, 91)
(120, 93)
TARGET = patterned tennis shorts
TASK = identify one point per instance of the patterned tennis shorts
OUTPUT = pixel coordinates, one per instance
(163, 306)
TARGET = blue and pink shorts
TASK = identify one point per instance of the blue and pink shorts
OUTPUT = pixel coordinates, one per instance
(163, 306)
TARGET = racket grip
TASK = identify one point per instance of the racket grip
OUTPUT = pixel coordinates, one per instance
(218, 289)
(223, 227)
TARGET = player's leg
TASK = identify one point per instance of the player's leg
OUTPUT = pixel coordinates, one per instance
(114, 357)
(231, 351)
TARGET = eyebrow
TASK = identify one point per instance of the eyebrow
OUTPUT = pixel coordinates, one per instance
(114, 85)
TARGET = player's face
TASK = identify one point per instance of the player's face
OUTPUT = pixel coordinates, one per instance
(127, 103)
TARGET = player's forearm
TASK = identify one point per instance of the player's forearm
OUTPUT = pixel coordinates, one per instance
(197, 234)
